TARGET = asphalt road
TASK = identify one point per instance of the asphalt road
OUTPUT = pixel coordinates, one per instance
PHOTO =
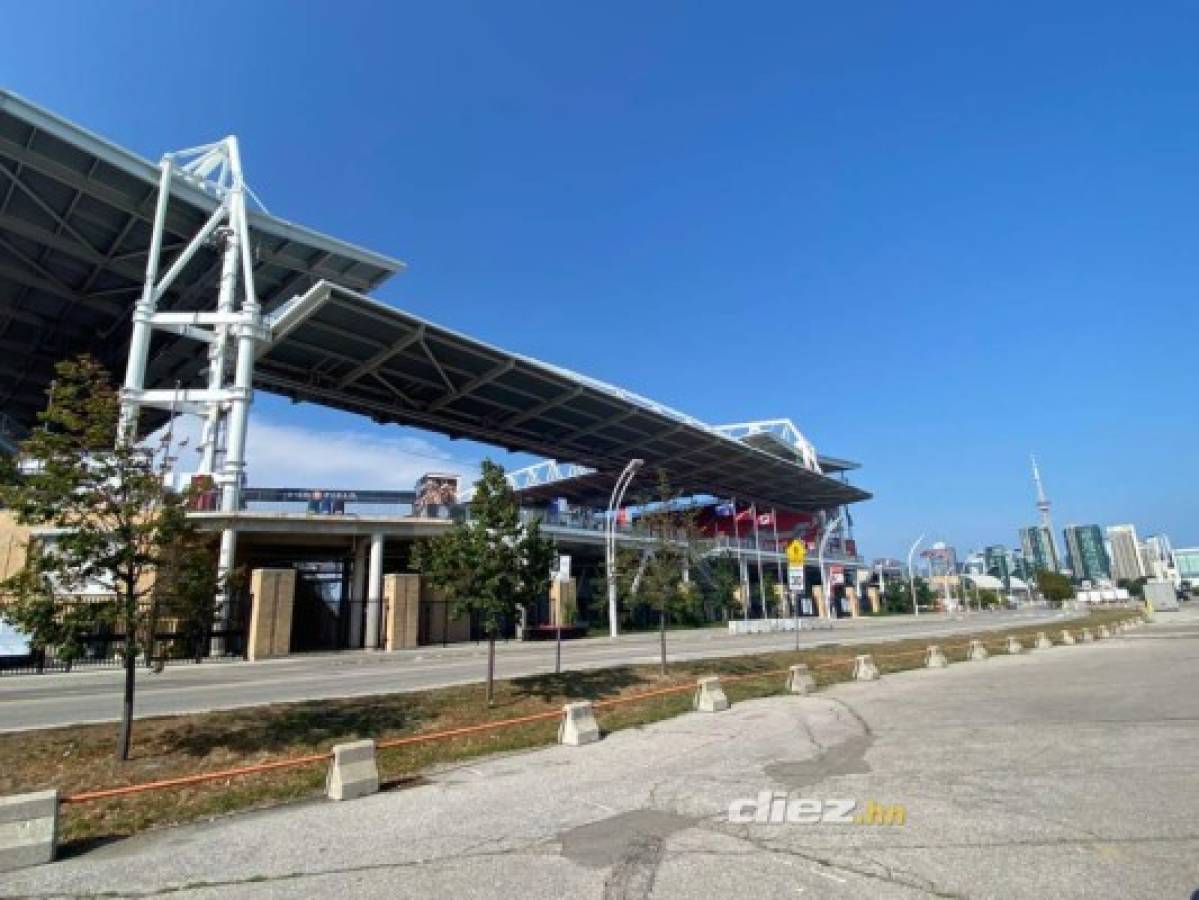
(1067, 772)
(46, 701)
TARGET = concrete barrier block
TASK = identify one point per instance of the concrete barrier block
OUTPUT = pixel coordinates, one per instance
(864, 668)
(578, 724)
(1102, 632)
(353, 772)
(1067, 637)
(1014, 645)
(1087, 637)
(934, 658)
(978, 650)
(28, 829)
(800, 680)
(709, 695)
(1043, 642)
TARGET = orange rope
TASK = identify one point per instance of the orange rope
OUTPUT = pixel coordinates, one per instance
(195, 779)
(467, 729)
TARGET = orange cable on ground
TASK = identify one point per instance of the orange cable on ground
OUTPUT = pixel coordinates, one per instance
(195, 779)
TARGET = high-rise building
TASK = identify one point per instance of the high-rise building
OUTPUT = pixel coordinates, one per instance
(995, 559)
(1186, 560)
(1126, 552)
(1039, 549)
(1158, 557)
(1088, 557)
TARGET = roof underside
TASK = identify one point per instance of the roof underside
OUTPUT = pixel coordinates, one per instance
(75, 219)
(360, 355)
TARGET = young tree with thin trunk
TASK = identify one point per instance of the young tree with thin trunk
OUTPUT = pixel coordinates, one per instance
(115, 521)
(490, 564)
(663, 584)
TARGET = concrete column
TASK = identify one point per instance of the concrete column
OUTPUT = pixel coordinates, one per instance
(274, 592)
(358, 593)
(818, 596)
(374, 593)
(873, 593)
(402, 593)
(851, 594)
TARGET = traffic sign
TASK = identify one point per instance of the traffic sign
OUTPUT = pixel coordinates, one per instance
(795, 579)
(796, 553)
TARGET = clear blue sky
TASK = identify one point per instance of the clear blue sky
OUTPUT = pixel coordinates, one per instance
(937, 236)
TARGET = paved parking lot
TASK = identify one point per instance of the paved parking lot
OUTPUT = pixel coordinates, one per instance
(1070, 772)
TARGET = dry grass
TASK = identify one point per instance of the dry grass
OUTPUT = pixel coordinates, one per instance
(80, 758)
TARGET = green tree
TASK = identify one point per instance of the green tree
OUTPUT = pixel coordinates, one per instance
(187, 594)
(490, 564)
(898, 596)
(1054, 586)
(720, 591)
(671, 530)
(1134, 586)
(115, 520)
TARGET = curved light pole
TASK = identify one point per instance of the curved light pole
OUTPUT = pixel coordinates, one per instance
(618, 491)
(824, 585)
(912, 576)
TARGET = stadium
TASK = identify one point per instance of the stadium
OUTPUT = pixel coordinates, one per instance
(169, 275)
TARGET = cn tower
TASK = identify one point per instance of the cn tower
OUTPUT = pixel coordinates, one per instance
(1043, 508)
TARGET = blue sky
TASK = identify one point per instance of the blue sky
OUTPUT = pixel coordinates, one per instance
(937, 236)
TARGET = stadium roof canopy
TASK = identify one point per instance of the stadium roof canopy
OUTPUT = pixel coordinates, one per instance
(75, 219)
(75, 225)
(360, 355)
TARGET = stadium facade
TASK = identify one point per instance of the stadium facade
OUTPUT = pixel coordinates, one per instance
(171, 278)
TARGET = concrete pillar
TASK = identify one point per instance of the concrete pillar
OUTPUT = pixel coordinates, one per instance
(709, 695)
(854, 609)
(28, 829)
(818, 596)
(353, 771)
(402, 595)
(358, 593)
(374, 593)
(578, 724)
(274, 594)
(872, 593)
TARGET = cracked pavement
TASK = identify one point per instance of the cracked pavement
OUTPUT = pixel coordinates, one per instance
(1064, 772)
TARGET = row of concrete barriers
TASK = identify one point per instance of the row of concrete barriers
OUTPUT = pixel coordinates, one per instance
(29, 822)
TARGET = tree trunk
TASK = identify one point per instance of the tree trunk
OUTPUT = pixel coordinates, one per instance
(130, 651)
(662, 637)
(127, 706)
(490, 669)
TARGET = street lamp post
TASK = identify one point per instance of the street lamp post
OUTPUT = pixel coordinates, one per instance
(912, 576)
(824, 585)
(618, 492)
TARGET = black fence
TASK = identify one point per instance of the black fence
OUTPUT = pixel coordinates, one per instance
(224, 639)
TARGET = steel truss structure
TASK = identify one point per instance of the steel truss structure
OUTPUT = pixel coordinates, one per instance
(234, 330)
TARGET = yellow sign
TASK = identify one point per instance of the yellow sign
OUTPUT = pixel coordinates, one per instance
(796, 553)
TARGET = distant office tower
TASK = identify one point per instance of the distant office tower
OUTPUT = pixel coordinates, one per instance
(1088, 556)
(1126, 552)
(1158, 557)
(1186, 561)
(1040, 552)
(942, 559)
(995, 559)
